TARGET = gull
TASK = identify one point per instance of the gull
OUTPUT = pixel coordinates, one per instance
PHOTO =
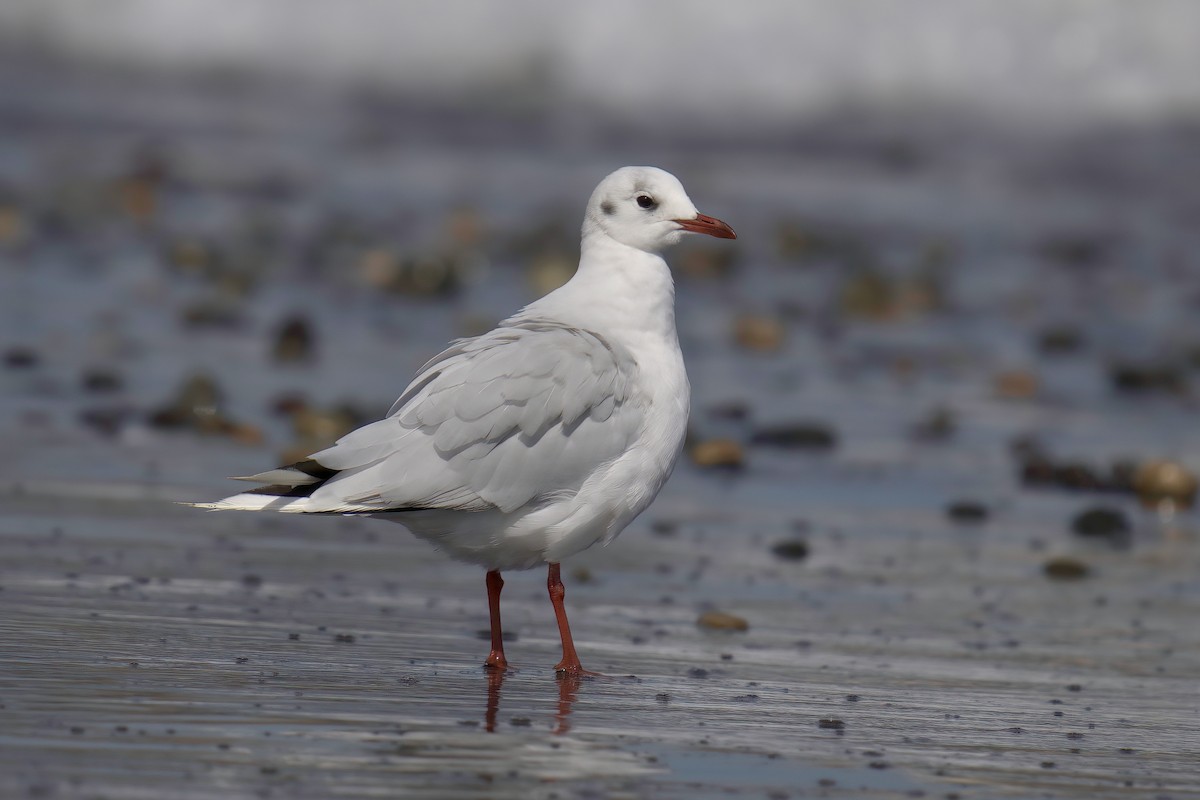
(534, 441)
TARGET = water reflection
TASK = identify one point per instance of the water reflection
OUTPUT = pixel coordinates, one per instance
(568, 692)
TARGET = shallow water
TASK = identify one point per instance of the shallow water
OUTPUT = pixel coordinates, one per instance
(150, 650)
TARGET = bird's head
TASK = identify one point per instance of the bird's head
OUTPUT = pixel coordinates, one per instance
(647, 208)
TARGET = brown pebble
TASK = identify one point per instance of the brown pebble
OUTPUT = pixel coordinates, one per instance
(759, 333)
(324, 426)
(1016, 385)
(722, 621)
(1165, 484)
(1065, 569)
(242, 433)
(12, 225)
(725, 453)
(295, 342)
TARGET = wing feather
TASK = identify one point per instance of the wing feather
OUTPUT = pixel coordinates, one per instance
(526, 411)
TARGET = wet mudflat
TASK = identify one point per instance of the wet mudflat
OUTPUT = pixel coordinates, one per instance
(152, 651)
(909, 386)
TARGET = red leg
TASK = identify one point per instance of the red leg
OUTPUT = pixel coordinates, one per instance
(495, 659)
(570, 660)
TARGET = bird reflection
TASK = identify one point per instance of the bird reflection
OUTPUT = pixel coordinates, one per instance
(568, 691)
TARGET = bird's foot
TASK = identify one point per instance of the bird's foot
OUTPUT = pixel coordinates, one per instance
(573, 669)
(496, 661)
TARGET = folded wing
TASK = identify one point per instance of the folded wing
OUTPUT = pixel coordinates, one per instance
(520, 415)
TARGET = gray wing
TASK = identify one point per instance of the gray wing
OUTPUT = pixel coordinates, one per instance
(516, 416)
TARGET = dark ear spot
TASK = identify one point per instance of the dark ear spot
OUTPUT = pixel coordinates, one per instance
(607, 207)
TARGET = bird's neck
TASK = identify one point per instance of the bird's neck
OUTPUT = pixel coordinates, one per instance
(618, 288)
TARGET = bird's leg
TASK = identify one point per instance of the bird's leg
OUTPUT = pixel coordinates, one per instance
(570, 660)
(495, 659)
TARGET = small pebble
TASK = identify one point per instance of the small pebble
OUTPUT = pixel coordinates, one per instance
(1016, 385)
(759, 333)
(1102, 523)
(1065, 569)
(1162, 482)
(295, 342)
(718, 453)
(20, 358)
(721, 621)
(791, 550)
(796, 436)
(967, 511)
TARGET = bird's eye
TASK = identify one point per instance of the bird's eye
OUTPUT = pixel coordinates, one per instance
(646, 201)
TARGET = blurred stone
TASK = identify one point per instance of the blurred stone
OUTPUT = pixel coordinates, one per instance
(1074, 249)
(99, 381)
(299, 451)
(21, 358)
(759, 333)
(722, 621)
(1025, 445)
(192, 257)
(323, 427)
(724, 453)
(791, 550)
(215, 314)
(734, 411)
(1038, 470)
(1121, 476)
(235, 285)
(1078, 476)
(434, 272)
(967, 511)
(295, 341)
(464, 228)
(379, 268)
(1016, 385)
(1147, 377)
(802, 242)
(197, 405)
(920, 295)
(13, 226)
(1105, 523)
(106, 420)
(796, 436)
(288, 403)
(1060, 341)
(138, 197)
(938, 426)
(702, 262)
(582, 575)
(430, 274)
(1065, 569)
(1166, 485)
(868, 294)
(244, 434)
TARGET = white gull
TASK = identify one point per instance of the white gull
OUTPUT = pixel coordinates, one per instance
(540, 438)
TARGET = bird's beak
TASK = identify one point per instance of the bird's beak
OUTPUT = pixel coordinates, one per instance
(707, 225)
